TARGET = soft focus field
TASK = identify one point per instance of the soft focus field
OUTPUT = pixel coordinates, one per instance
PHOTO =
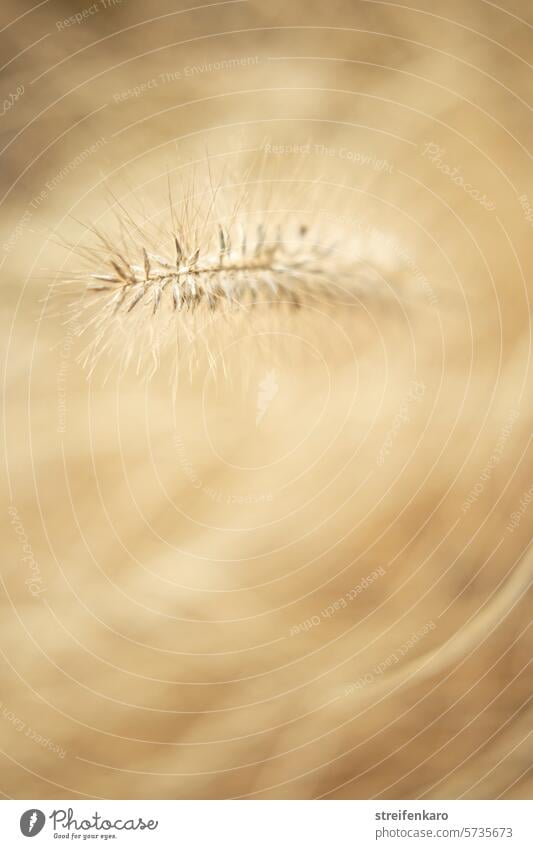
(304, 573)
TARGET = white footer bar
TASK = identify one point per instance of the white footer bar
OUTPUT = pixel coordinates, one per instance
(267, 824)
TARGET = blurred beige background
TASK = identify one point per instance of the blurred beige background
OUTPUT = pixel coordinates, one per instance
(305, 577)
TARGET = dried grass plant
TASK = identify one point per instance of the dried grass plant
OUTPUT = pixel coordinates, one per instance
(303, 571)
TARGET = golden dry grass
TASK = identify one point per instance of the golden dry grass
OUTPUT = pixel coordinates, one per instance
(297, 576)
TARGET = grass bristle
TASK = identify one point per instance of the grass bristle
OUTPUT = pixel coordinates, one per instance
(156, 280)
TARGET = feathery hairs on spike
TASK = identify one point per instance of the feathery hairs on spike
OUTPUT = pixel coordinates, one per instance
(221, 251)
